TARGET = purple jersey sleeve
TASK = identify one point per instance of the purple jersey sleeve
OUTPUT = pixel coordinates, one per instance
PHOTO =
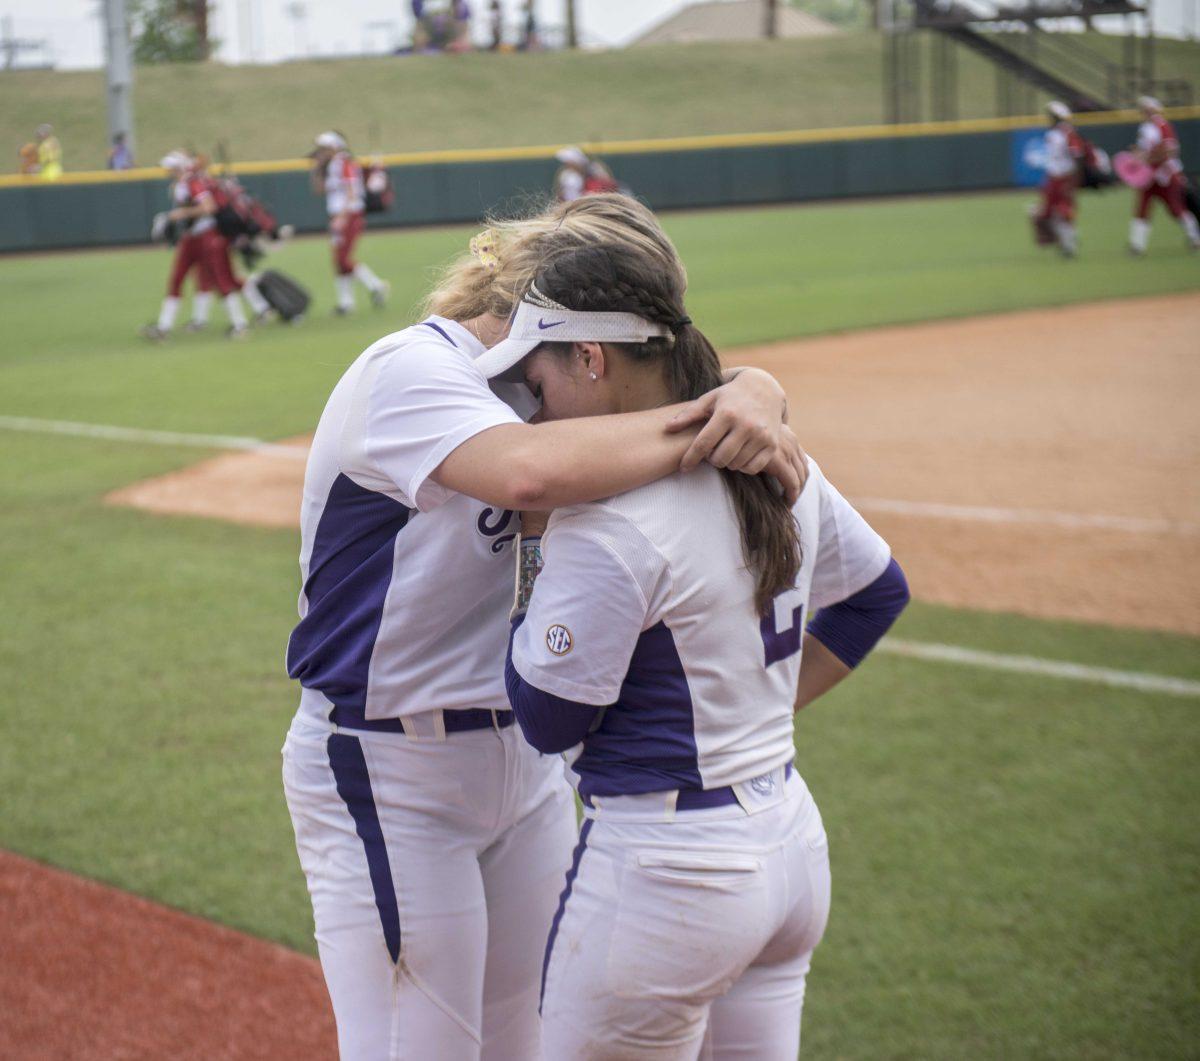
(548, 722)
(851, 628)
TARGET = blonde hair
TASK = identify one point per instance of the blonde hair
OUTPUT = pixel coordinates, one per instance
(507, 256)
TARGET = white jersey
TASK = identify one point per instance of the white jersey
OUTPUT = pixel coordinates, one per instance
(569, 184)
(645, 605)
(344, 186)
(1060, 160)
(1150, 135)
(187, 191)
(406, 585)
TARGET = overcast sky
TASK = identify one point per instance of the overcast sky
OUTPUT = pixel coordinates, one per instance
(261, 30)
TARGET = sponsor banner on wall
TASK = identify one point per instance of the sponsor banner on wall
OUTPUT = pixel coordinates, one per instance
(1028, 155)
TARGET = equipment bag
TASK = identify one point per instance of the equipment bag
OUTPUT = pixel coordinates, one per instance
(1096, 167)
(283, 294)
(1191, 197)
(377, 186)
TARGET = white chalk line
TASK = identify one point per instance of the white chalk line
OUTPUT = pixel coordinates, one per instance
(920, 509)
(1035, 516)
(924, 650)
(1033, 665)
(157, 438)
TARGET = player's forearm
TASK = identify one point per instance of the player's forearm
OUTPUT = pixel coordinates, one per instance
(842, 635)
(565, 462)
(820, 671)
(582, 460)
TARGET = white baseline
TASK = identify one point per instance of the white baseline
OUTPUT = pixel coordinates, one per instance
(1043, 517)
(1051, 668)
(1152, 683)
(919, 509)
(155, 438)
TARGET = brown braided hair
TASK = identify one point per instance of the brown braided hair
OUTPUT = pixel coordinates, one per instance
(617, 278)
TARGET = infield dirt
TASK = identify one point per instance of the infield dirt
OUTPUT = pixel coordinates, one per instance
(110, 975)
(1044, 462)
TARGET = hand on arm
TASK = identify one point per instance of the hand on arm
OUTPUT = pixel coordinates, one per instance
(745, 430)
(564, 462)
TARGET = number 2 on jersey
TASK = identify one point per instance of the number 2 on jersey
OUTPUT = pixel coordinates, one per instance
(783, 626)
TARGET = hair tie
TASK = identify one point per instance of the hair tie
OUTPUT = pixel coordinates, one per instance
(678, 325)
(483, 248)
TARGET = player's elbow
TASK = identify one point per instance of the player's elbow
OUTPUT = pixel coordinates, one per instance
(528, 484)
(528, 491)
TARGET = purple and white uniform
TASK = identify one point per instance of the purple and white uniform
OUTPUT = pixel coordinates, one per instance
(433, 837)
(700, 885)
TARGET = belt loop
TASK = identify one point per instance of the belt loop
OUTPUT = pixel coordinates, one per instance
(672, 799)
(495, 719)
(439, 724)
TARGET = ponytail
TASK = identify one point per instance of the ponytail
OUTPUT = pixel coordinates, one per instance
(620, 279)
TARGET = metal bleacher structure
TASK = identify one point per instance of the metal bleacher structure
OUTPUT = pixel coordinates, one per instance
(1035, 47)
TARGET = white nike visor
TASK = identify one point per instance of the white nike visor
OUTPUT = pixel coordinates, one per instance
(539, 319)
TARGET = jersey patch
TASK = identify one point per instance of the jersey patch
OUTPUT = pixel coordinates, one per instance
(559, 640)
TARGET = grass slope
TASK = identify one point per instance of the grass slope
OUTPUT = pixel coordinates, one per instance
(484, 100)
(1013, 856)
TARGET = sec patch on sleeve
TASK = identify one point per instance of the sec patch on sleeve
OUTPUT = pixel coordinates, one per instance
(559, 640)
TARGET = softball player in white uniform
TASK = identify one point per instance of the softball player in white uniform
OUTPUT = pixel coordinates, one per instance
(700, 885)
(434, 839)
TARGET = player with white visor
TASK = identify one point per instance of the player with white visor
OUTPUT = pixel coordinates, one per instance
(433, 837)
(665, 650)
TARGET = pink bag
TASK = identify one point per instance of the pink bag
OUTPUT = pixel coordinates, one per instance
(1132, 170)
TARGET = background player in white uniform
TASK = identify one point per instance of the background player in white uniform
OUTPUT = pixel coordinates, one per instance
(338, 176)
(433, 838)
(663, 645)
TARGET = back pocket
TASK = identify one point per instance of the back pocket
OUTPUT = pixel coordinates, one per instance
(686, 924)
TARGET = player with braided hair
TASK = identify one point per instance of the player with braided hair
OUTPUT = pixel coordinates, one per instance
(433, 838)
(663, 646)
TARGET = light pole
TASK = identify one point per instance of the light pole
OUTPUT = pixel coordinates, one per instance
(119, 71)
(572, 30)
(770, 19)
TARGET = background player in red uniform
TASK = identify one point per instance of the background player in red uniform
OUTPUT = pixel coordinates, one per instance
(187, 258)
(1158, 146)
(202, 247)
(1055, 221)
(338, 176)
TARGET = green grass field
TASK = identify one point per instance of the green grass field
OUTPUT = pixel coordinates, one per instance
(1016, 860)
(435, 102)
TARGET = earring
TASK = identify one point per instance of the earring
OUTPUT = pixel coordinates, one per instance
(593, 377)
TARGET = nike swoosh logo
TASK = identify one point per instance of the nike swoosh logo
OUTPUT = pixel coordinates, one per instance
(542, 325)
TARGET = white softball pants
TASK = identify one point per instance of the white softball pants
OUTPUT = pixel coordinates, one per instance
(687, 937)
(434, 868)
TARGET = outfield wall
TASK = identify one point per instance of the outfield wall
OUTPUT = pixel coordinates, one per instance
(105, 209)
